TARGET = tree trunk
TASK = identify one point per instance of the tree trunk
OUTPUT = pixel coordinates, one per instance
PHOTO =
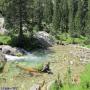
(20, 37)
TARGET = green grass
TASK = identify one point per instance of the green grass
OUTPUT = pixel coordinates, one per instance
(85, 78)
(84, 82)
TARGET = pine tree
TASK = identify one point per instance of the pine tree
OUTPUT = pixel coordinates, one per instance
(65, 16)
(57, 16)
(88, 24)
(48, 11)
(17, 14)
(38, 13)
(78, 19)
(84, 17)
(72, 15)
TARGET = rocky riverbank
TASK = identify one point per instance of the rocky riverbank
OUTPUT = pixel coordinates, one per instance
(14, 51)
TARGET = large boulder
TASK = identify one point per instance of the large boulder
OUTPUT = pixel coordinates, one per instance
(44, 39)
(6, 49)
(2, 62)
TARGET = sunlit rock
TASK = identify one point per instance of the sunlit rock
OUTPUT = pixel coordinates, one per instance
(2, 20)
(3, 31)
(44, 39)
(6, 49)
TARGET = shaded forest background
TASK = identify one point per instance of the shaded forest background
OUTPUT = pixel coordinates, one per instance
(60, 18)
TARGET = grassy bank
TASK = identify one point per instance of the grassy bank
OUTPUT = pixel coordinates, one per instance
(83, 85)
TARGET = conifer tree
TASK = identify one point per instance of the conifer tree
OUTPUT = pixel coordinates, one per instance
(72, 14)
(84, 17)
(78, 19)
(48, 11)
(65, 16)
(57, 16)
(17, 14)
(38, 13)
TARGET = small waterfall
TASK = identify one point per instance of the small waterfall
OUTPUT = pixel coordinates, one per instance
(24, 58)
(29, 57)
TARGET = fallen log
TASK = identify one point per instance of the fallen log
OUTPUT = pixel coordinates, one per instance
(29, 69)
(34, 71)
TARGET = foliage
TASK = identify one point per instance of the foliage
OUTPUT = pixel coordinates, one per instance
(57, 16)
(26, 40)
(67, 38)
(48, 11)
(5, 40)
(53, 16)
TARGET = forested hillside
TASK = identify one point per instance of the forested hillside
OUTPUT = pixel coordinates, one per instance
(71, 17)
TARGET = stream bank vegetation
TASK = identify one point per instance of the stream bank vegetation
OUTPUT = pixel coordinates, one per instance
(81, 82)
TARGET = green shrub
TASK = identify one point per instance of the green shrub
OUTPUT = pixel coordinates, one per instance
(62, 37)
(87, 41)
(71, 39)
(5, 40)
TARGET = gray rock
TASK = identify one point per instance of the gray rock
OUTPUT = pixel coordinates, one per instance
(6, 49)
(44, 39)
(35, 87)
(2, 62)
